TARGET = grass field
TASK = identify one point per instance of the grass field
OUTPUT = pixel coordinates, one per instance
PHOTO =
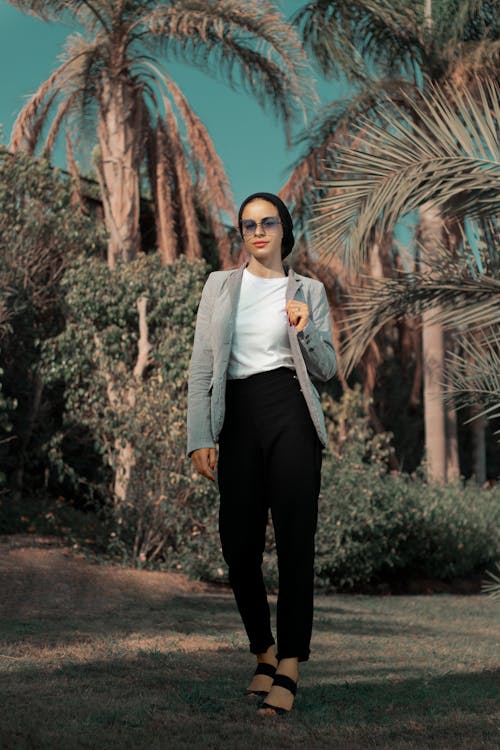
(96, 656)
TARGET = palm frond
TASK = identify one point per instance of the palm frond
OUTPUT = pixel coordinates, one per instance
(447, 153)
(456, 300)
(73, 76)
(201, 147)
(55, 126)
(332, 125)
(26, 129)
(474, 376)
(182, 188)
(491, 585)
(353, 38)
(250, 44)
(57, 10)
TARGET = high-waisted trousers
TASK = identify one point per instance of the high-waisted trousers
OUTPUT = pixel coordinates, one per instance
(270, 457)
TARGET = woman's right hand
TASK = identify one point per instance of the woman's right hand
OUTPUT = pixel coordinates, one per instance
(204, 461)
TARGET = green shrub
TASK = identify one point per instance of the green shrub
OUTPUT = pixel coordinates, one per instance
(41, 230)
(7, 406)
(373, 525)
(164, 515)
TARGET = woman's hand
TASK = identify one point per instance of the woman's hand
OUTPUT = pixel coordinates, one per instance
(204, 462)
(298, 314)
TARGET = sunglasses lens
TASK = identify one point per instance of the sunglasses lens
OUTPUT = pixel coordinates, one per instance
(270, 223)
(249, 226)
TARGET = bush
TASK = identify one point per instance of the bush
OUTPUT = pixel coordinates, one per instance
(41, 230)
(373, 525)
(7, 406)
(116, 418)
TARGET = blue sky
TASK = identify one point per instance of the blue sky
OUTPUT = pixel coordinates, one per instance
(250, 141)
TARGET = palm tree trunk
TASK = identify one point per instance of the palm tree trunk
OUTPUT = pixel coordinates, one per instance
(452, 457)
(117, 167)
(430, 227)
(123, 399)
(478, 426)
(166, 237)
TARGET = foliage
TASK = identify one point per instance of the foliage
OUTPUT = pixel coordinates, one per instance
(491, 584)
(389, 50)
(373, 525)
(165, 503)
(356, 155)
(41, 230)
(445, 151)
(452, 159)
(6, 407)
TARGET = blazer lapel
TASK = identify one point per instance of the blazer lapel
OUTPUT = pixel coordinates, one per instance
(293, 282)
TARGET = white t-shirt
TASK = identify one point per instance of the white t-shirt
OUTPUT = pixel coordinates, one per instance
(260, 337)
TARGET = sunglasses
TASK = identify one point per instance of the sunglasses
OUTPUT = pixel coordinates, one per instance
(269, 225)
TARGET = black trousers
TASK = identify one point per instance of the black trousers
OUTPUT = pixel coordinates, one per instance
(270, 457)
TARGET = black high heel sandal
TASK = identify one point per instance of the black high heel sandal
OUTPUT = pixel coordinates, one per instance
(282, 680)
(262, 668)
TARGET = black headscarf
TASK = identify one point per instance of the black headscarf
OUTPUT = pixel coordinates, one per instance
(286, 220)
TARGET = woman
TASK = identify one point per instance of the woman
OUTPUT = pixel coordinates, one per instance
(262, 332)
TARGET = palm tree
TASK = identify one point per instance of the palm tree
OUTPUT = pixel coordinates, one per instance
(111, 84)
(452, 162)
(386, 48)
(390, 50)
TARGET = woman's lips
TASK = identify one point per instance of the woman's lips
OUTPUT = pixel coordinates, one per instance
(260, 244)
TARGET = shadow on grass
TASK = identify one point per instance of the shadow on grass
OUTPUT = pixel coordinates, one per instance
(173, 700)
(127, 659)
(186, 615)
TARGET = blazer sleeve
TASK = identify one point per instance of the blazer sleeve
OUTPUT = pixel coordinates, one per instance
(316, 341)
(199, 425)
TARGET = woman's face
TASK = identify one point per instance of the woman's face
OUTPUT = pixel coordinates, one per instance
(265, 243)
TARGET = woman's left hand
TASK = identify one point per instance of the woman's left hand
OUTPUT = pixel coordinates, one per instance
(298, 314)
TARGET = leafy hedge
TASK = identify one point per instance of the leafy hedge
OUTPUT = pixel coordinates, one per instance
(41, 231)
(95, 354)
(371, 525)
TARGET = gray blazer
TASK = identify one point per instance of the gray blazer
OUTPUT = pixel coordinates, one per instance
(312, 350)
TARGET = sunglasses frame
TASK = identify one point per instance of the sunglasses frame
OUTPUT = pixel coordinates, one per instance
(271, 229)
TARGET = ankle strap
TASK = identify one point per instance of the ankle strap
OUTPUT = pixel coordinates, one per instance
(282, 680)
(265, 668)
